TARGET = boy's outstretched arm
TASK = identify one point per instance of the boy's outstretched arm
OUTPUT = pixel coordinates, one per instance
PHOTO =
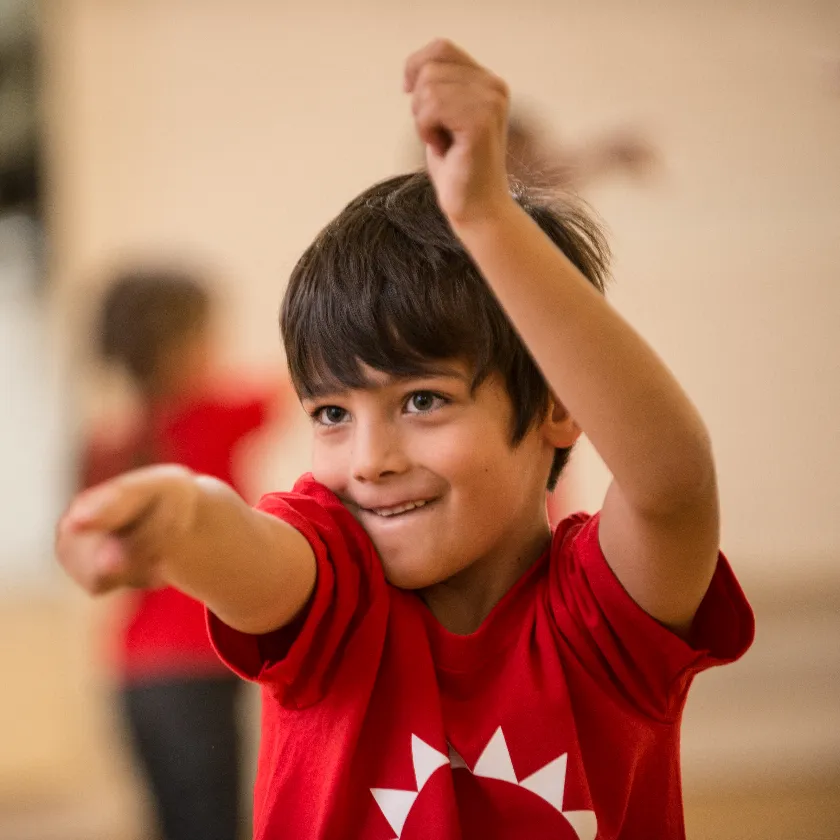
(659, 524)
(166, 525)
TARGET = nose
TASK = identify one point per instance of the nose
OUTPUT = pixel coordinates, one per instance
(377, 452)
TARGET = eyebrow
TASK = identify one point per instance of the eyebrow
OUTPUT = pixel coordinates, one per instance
(327, 389)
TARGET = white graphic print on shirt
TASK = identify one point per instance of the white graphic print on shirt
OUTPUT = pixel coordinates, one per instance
(548, 783)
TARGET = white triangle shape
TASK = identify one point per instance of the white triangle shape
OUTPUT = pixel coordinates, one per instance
(584, 823)
(549, 782)
(495, 762)
(395, 805)
(426, 760)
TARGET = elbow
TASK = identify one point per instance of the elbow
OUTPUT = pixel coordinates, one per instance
(253, 624)
(685, 482)
(257, 619)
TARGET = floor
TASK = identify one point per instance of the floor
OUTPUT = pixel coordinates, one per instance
(807, 814)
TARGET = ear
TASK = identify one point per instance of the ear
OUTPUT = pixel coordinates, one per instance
(558, 428)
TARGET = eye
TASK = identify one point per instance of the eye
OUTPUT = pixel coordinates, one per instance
(423, 402)
(329, 415)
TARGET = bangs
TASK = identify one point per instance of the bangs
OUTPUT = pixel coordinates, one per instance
(395, 334)
(377, 296)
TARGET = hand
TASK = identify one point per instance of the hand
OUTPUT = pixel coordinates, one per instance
(119, 533)
(460, 112)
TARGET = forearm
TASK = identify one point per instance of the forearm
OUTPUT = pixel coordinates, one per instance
(614, 385)
(252, 570)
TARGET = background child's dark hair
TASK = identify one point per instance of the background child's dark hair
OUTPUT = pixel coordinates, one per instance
(388, 284)
(144, 313)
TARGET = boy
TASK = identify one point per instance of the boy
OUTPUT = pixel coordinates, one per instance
(434, 663)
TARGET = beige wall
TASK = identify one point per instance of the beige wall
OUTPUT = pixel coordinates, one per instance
(233, 130)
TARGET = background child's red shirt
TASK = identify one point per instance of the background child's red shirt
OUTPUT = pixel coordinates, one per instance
(165, 631)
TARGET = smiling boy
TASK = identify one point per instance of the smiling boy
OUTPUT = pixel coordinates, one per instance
(435, 662)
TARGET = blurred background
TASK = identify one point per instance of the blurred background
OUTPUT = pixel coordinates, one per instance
(227, 132)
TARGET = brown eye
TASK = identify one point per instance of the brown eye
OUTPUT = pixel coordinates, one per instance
(330, 415)
(422, 402)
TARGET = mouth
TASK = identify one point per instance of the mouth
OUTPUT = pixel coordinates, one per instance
(401, 509)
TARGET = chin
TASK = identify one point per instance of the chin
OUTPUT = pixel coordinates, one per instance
(411, 575)
(406, 580)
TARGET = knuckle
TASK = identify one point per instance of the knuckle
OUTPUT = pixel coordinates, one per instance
(501, 87)
(170, 472)
(428, 75)
(498, 99)
(426, 101)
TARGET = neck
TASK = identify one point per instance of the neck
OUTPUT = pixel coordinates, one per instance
(462, 602)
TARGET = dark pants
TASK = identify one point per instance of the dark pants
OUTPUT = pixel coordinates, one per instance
(186, 736)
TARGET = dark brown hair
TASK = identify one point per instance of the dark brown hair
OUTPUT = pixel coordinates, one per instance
(144, 313)
(388, 285)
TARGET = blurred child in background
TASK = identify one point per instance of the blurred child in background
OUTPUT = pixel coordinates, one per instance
(180, 702)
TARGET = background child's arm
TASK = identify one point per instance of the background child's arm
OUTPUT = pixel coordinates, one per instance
(166, 525)
(659, 525)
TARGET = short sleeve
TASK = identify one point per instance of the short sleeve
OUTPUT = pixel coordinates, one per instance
(622, 646)
(346, 612)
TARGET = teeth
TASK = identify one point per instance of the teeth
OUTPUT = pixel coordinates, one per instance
(393, 511)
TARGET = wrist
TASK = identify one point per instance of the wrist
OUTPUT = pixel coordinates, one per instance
(183, 511)
(492, 219)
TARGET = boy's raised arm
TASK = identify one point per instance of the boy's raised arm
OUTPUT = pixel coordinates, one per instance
(165, 525)
(659, 524)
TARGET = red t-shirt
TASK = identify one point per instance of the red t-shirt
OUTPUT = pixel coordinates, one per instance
(165, 632)
(559, 718)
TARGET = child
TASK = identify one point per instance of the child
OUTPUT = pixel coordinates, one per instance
(434, 662)
(179, 699)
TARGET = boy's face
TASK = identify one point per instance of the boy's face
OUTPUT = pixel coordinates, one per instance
(427, 467)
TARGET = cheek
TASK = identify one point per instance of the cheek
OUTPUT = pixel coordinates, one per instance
(474, 459)
(327, 465)
(455, 453)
